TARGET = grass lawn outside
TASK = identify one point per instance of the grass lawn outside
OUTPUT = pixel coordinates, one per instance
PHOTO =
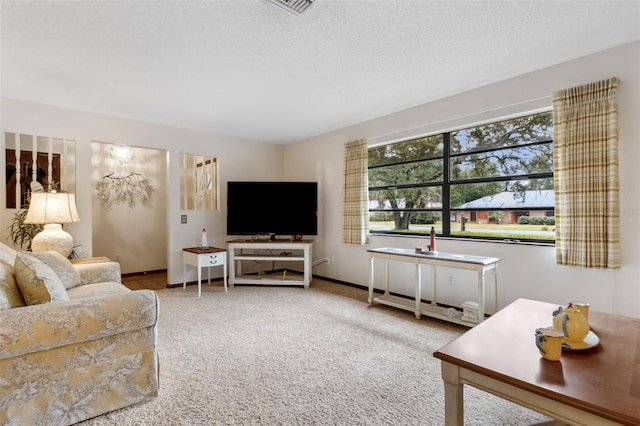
(491, 230)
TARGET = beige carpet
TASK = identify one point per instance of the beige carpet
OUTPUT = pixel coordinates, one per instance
(294, 356)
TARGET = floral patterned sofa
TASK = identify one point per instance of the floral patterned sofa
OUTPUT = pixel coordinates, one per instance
(74, 342)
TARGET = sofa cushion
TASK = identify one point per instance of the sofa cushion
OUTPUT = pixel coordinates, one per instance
(98, 272)
(37, 282)
(63, 268)
(7, 254)
(10, 296)
(97, 289)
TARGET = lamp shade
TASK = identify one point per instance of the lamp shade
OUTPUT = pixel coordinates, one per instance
(52, 207)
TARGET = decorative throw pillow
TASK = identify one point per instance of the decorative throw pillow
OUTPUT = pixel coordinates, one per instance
(10, 296)
(37, 282)
(63, 268)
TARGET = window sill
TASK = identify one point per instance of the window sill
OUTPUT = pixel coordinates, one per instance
(474, 240)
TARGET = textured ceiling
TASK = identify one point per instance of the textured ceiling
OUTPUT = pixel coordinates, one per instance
(248, 69)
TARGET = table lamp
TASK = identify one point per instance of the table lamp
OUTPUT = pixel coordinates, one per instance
(52, 209)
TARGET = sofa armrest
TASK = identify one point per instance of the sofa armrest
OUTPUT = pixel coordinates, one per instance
(40, 327)
(99, 272)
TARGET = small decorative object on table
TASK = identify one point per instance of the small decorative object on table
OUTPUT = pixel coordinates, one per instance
(203, 242)
(549, 343)
(583, 307)
(432, 241)
(572, 321)
(431, 248)
(470, 312)
(425, 250)
(569, 320)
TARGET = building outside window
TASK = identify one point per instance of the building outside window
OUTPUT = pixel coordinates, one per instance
(493, 181)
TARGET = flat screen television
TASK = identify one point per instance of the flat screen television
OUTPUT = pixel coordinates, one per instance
(280, 208)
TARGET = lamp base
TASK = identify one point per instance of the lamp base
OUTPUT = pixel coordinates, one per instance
(53, 238)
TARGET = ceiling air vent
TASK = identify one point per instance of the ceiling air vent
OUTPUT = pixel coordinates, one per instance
(295, 7)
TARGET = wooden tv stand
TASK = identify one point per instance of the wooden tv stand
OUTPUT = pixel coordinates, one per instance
(273, 250)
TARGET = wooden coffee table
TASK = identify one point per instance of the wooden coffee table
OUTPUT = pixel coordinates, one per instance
(595, 386)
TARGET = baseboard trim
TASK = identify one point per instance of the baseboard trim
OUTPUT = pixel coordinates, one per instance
(136, 274)
(378, 291)
(331, 280)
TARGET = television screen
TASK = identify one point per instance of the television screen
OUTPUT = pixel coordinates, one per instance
(280, 208)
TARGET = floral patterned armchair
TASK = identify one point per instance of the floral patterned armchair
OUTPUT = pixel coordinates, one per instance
(74, 342)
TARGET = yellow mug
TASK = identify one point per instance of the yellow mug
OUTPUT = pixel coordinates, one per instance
(549, 343)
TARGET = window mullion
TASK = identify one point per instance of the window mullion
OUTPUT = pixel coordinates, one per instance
(446, 185)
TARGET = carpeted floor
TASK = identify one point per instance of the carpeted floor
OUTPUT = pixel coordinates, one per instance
(295, 356)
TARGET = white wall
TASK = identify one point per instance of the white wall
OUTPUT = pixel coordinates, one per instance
(239, 160)
(130, 234)
(524, 271)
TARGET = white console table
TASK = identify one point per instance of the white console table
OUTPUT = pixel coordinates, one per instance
(475, 263)
(271, 250)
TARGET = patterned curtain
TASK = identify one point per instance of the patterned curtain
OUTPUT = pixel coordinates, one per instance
(355, 215)
(585, 159)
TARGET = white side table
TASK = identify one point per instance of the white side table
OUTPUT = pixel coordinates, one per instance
(201, 257)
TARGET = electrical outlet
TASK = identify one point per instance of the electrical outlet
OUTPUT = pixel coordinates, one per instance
(330, 260)
(450, 279)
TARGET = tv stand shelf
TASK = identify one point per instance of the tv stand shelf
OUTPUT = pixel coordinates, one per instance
(282, 250)
(275, 256)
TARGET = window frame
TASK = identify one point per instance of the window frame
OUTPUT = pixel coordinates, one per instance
(447, 182)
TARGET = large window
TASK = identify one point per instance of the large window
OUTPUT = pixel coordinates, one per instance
(493, 181)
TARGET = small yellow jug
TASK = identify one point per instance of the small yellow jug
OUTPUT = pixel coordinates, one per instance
(549, 343)
(571, 322)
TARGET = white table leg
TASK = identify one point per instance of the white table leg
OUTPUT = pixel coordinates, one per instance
(224, 272)
(307, 267)
(371, 280)
(418, 290)
(184, 274)
(434, 297)
(495, 289)
(481, 296)
(386, 277)
(453, 395)
(199, 280)
(232, 266)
